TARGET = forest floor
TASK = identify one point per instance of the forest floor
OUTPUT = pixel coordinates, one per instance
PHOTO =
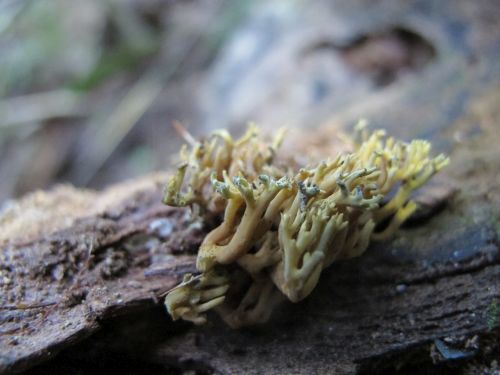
(83, 271)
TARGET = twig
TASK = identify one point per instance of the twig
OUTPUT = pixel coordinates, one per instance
(40, 107)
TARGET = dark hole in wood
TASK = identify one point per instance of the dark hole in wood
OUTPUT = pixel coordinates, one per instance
(383, 56)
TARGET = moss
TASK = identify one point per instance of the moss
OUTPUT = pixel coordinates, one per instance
(492, 315)
(281, 228)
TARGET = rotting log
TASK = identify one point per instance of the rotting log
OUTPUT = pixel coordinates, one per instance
(428, 293)
(57, 285)
(72, 261)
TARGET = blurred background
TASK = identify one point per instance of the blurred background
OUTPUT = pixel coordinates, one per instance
(89, 89)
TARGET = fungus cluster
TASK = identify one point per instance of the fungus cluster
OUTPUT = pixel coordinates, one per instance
(280, 226)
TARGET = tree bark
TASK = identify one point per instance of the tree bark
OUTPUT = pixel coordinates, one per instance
(428, 295)
(83, 273)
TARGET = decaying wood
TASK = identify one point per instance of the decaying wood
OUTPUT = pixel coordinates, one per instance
(434, 283)
(57, 286)
(426, 297)
(72, 261)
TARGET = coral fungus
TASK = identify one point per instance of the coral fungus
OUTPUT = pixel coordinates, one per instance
(280, 226)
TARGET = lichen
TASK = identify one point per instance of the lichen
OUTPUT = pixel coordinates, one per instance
(281, 226)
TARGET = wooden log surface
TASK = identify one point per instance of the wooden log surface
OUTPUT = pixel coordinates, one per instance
(437, 280)
(82, 270)
(58, 285)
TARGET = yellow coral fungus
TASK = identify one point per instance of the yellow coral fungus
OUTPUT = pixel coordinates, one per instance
(279, 228)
